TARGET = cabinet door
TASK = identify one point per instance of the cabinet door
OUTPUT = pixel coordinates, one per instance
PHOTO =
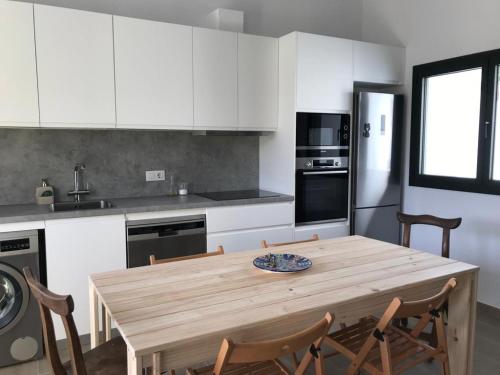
(215, 68)
(223, 219)
(257, 82)
(376, 63)
(154, 74)
(324, 74)
(77, 248)
(248, 239)
(75, 67)
(18, 85)
(324, 231)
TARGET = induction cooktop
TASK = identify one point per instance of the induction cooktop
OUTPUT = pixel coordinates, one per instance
(238, 194)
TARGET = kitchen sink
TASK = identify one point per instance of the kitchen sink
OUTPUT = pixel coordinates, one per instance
(86, 205)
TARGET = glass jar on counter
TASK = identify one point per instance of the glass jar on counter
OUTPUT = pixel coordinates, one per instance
(171, 184)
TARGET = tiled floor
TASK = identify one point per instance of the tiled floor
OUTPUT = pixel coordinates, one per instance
(487, 358)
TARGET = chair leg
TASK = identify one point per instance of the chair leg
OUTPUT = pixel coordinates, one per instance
(385, 352)
(319, 365)
(446, 367)
(353, 370)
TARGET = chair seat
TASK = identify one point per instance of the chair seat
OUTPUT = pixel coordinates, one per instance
(109, 358)
(257, 368)
(405, 350)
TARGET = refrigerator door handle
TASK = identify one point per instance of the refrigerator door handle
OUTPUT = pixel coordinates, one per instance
(326, 172)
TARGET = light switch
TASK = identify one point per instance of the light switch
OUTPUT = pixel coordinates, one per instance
(155, 175)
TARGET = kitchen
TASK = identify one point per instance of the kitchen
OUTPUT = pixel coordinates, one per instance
(172, 139)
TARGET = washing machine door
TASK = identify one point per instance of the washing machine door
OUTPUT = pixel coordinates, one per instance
(14, 297)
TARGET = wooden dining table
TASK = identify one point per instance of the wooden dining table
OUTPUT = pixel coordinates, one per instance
(175, 315)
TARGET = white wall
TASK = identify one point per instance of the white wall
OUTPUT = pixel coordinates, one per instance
(433, 30)
(264, 17)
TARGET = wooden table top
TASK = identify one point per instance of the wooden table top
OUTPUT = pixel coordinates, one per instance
(168, 307)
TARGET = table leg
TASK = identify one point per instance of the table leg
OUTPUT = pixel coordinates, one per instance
(461, 324)
(94, 316)
(134, 364)
(156, 363)
(106, 323)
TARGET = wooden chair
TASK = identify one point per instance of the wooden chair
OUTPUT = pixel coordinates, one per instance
(383, 349)
(445, 224)
(263, 357)
(109, 358)
(264, 244)
(153, 260)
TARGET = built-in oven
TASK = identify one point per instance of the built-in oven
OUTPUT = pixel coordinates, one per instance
(321, 196)
(322, 168)
(323, 130)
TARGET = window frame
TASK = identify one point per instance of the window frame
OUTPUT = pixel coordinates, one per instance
(488, 62)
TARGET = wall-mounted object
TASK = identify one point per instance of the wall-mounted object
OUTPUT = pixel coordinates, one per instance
(227, 19)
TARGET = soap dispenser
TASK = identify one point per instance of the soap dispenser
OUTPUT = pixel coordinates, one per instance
(45, 193)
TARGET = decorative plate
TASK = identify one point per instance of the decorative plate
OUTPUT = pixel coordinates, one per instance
(282, 263)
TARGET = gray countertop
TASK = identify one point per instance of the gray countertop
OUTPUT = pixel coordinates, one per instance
(32, 212)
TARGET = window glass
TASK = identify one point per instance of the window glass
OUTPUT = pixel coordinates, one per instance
(496, 139)
(451, 124)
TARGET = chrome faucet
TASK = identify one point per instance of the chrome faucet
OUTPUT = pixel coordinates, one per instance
(77, 191)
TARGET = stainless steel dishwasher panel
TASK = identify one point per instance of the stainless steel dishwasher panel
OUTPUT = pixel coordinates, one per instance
(165, 238)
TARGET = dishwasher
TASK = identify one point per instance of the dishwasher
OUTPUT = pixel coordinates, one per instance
(165, 238)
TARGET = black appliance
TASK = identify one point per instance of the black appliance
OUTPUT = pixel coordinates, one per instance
(322, 168)
(315, 130)
(238, 194)
(166, 238)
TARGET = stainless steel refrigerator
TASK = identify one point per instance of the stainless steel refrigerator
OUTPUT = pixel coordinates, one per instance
(376, 184)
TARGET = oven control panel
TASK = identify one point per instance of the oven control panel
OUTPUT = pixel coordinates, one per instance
(318, 163)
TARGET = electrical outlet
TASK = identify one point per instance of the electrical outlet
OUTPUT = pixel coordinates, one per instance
(155, 176)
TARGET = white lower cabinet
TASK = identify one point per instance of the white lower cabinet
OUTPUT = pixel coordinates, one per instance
(76, 248)
(240, 228)
(248, 239)
(324, 231)
(223, 219)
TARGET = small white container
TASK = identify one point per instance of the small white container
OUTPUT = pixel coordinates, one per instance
(183, 188)
(44, 194)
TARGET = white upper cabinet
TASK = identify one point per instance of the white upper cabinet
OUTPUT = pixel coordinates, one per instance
(215, 68)
(257, 82)
(154, 74)
(376, 63)
(75, 67)
(18, 85)
(324, 73)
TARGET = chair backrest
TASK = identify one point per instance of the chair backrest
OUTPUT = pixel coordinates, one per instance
(63, 306)
(445, 224)
(153, 260)
(428, 309)
(232, 353)
(426, 306)
(264, 244)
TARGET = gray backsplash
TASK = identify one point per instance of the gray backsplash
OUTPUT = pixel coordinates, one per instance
(116, 161)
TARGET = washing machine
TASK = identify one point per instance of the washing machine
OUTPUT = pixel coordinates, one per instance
(20, 324)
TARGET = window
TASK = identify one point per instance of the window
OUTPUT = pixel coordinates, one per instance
(455, 109)
(496, 148)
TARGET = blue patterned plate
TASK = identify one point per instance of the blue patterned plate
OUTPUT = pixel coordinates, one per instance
(282, 263)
